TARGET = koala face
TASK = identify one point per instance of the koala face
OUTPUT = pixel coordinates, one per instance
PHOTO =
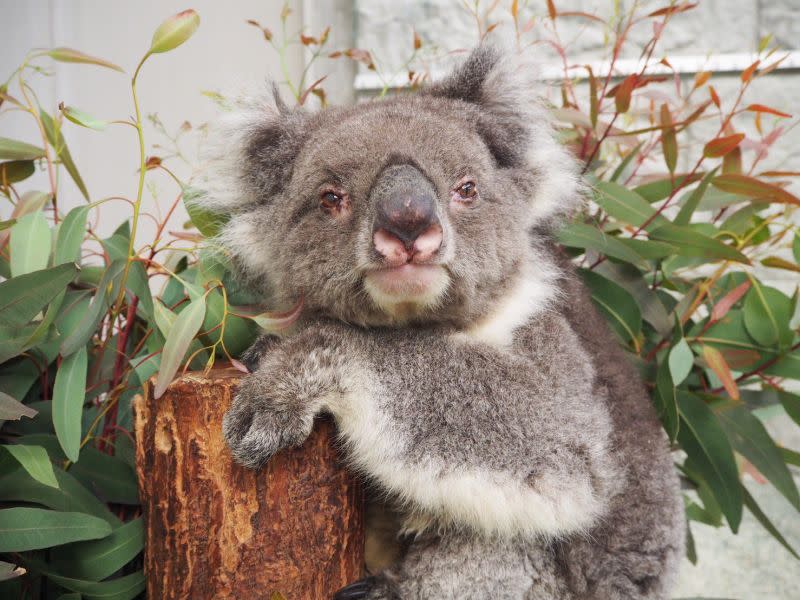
(413, 209)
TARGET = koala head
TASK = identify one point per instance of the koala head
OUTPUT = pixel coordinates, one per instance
(415, 209)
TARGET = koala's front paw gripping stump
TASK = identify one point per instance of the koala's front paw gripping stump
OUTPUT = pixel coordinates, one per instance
(217, 530)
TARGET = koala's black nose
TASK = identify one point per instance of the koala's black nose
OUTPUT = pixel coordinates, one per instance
(405, 209)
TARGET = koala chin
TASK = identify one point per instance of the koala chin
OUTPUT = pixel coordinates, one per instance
(508, 446)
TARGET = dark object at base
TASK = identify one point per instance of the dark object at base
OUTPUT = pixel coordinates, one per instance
(217, 530)
(356, 590)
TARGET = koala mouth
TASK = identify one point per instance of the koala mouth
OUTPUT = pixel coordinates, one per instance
(421, 284)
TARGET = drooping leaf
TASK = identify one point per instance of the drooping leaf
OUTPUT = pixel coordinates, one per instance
(35, 461)
(15, 171)
(206, 222)
(666, 402)
(87, 326)
(68, 396)
(139, 286)
(68, 55)
(750, 439)
(756, 189)
(83, 119)
(684, 216)
(776, 262)
(692, 243)
(717, 363)
(70, 235)
(12, 409)
(578, 235)
(622, 97)
(174, 31)
(23, 297)
(626, 205)
(126, 587)
(96, 560)
(791, 404)
(56, 139)
(616, 304)
(15, 150)
(180, 336)
(30, 244)
(760, 108)
(23, 528)
(680, 361)
(669, 141)
(767, 313)
(705, 442)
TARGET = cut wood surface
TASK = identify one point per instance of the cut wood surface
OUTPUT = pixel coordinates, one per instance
(217, 530)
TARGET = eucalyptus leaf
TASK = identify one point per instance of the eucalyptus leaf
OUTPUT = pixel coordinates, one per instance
(15, 150)
(58, 142)
(35, 461)
(23, 528)
(30, 244)
(70, 235)
(68, 395)
(180, 336)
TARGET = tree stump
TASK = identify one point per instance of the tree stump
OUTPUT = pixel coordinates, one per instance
(217, 530)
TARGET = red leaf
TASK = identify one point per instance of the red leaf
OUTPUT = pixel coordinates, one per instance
(417, 41)
(722, 307)
(671, 10)
(551, 10)
(622, 97)
(754, 188)
(714, 97)
(578, 13)
(716, 363)
(760, 108)
(722, 145)
(747, 74)
(701, 78)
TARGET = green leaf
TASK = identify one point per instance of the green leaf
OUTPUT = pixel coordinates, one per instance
(121, 588)
(33, 528)
(666, 402)
(625, 162)
(616, 304)
(30, 244)
(751, 440)
(754, 508)
(629, 277)
(81, 334)
(206, 222)
(796, 247)
(12, 409)
(14, 150)
(767, 313)
(694, 244)
(68, 395)
(23, 297)
(578, 235)
(649, 249)
(83, 119)
(681, 361)
(68, 55)
(662, 188)
(705, 442)
(791, 404)
(684, 216)
(70, 235)
(99, 559)
(69, 496)
(626, 206)
(58, 142)
(180, 336)
(16, 170)
(139, 286)
(174, 31)
(35, 461)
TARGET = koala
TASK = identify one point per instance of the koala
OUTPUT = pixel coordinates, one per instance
(509, 448)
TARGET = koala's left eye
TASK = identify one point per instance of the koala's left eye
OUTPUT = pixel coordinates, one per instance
(466, 191)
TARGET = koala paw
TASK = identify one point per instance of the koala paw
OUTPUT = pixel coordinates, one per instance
(259, 424)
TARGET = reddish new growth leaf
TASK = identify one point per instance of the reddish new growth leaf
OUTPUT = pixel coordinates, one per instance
(417, 41)
(672, 10)
(551, 10)
(754, 188)
(714, 96)
(717, 363)
(747, 74)
(722, 145)
(308, 40)
(152, 162)
(622, 95)
(360, 55)
(701, 78)
(760, 108)
(267, 33)
(722, 307)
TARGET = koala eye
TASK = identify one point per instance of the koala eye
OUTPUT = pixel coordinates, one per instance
(466, 191)
(330, 199)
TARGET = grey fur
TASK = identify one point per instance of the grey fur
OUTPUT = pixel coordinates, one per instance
(528, 465)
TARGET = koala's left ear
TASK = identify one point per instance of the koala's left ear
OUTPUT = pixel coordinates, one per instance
(516, 126)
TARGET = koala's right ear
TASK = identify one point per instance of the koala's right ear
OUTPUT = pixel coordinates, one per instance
(249, 152)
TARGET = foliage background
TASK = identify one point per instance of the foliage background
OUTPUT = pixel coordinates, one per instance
(717, 345)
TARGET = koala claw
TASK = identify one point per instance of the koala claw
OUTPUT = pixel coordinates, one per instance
(356, 590)
(256, 431)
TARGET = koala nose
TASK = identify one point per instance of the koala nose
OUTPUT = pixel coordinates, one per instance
(406, 228)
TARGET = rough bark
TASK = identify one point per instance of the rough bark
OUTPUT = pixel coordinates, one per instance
(217, 530)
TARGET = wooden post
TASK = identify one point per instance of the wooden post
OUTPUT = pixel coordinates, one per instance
(217, 530)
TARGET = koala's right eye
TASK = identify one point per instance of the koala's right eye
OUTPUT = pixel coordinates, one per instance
(330, 200)
(334, 201)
